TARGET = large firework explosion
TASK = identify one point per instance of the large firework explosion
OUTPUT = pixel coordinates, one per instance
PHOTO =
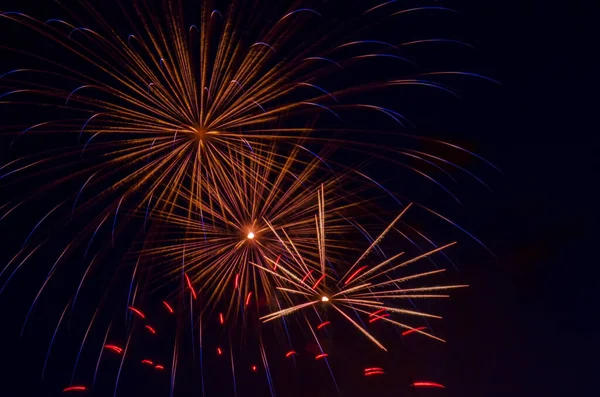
(211, 153)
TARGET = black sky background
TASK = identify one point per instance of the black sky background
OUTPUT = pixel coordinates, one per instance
(526, 325)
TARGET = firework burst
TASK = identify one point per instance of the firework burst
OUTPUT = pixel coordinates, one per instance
(371, 290)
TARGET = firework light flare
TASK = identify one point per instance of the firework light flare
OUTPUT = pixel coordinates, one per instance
(211, 159)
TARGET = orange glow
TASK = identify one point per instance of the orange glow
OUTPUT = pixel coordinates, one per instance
(159, 367)
(169, 308)
(147, 362)
(411, 331)
(307, 274)
(189, 283)
(219, 351)
(248, 298)
(149, 328)
(318, 281)
(355, 274)
(290, 353)
(323, 324)
(114, 348)
(136, 311)
(320, 356)
(428, 384)
(75, 388)
(221, 319)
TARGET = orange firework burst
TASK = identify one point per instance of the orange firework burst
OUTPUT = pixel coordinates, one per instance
(253, 218)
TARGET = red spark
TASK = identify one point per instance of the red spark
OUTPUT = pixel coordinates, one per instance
(376, 313)
(169, 308)
(189, 283)
(355, 274)
(219, 351)
(149, 328)
(221, 319)
(114, 348)
(254, 368)
(75, 388)
(307, 274)
(237, 278)
(147, 362)
(159, 367)
(428, 384)
(290, 353)
(320, 356)
(323, 324)
(248, 298)
(276, 263)
(410, 331)
(318, 281)
(379, 317)
(136, 311)
(374, 373)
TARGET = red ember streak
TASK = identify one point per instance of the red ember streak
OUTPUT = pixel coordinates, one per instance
(428, 384)
(290, 353)
(159, 367)
(237, 279)
(318, 281)
(320, 356)
(219, 351)
(276, 263)
(248, 298)
(189, 283)
(221, 319)
(411, 331)
(379, 317)
(169, 308)
(136, 311)
(323, 324)
(149, 328)
(307, 274)
(114, 348)
(75, 388)
(355, 274)
(376, 313)
(147, 362)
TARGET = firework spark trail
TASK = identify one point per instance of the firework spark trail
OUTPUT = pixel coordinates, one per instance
(53, 337)
(100, 354)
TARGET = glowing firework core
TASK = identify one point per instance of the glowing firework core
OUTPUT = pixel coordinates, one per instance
(324, 299)
(250, 236)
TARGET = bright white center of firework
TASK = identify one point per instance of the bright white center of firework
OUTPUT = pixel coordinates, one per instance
(250, 236)
(324, 299)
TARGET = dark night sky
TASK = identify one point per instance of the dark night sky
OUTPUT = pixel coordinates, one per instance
(525, 326)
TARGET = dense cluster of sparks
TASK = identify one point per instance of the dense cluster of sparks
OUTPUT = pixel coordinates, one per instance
(215, 139)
